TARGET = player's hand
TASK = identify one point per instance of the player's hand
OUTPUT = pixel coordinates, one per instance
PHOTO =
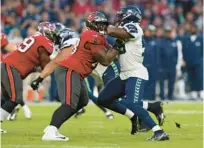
(119, 46)
(35, 83)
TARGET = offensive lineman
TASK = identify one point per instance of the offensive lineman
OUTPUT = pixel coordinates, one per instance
(5, 46)
(133, 74)
(71, 66)
(33, 52)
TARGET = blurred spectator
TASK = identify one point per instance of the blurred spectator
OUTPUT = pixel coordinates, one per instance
(169, 56)
(151, 56)
(15, 37)
(193, 56)
(81, 6)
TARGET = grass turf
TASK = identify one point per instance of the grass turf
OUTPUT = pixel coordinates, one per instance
(93, 130)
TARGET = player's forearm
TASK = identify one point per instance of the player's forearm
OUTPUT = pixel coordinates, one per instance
(111, 55)
(49, 68)
(117, 32)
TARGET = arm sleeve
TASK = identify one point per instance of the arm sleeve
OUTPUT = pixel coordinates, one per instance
(131, 29)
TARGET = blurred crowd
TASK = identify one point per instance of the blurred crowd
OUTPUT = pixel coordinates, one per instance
(166, 23)
(20, 17)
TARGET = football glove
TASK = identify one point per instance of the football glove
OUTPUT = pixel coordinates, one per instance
(119, 46)
(35, 83)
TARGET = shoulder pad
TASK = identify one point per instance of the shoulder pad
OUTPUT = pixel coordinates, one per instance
(67, 33)
(68, 38)
(93, 37)
(130, 27)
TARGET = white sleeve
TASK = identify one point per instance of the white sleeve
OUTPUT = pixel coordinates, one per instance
(131, 29)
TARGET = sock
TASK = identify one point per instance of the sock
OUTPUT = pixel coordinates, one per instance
(145, 105)
(129, 113)
(9, 106)
(61, 114)
(22, 103)
(3, 114)
(156, 128)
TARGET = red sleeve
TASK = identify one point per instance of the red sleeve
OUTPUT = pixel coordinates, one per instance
(4, 40)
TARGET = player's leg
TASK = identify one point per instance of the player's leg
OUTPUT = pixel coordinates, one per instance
(69, 88)
(171, 82)
(198, 85)
(134, 94)
(13, 85)
(90, 83)
(109, 96)
(161, 85)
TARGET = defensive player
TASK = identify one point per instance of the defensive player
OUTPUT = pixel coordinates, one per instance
(6, 48)
(33, 52)
(133, 74)
(72, 65)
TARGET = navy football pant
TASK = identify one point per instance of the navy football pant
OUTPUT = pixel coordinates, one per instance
(133, 88)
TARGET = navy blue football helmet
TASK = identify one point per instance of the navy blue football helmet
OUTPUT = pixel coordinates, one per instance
(128, 14)
(60, 26)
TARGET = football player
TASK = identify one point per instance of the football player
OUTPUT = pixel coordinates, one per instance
(133, 73)
(17, 65)
(6, 48)
(71, 66)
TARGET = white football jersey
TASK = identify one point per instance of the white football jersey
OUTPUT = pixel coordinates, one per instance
(131, 61)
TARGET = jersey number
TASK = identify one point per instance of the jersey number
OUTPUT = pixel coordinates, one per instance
(74, 49)
(27, 43)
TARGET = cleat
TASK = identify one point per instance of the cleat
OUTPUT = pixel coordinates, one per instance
(158, 112)
(134, 124)
(27, 112)
(142, 127)
(13, 115)
(52, 134)
(3, 131)
(80, 112)
(110, 116)
(159, 136)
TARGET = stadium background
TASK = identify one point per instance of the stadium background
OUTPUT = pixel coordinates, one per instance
(20, 18)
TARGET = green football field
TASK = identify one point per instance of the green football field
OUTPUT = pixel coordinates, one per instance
(93, 130)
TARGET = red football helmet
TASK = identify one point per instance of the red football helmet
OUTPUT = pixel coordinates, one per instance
(49, 30)
(97, 21)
